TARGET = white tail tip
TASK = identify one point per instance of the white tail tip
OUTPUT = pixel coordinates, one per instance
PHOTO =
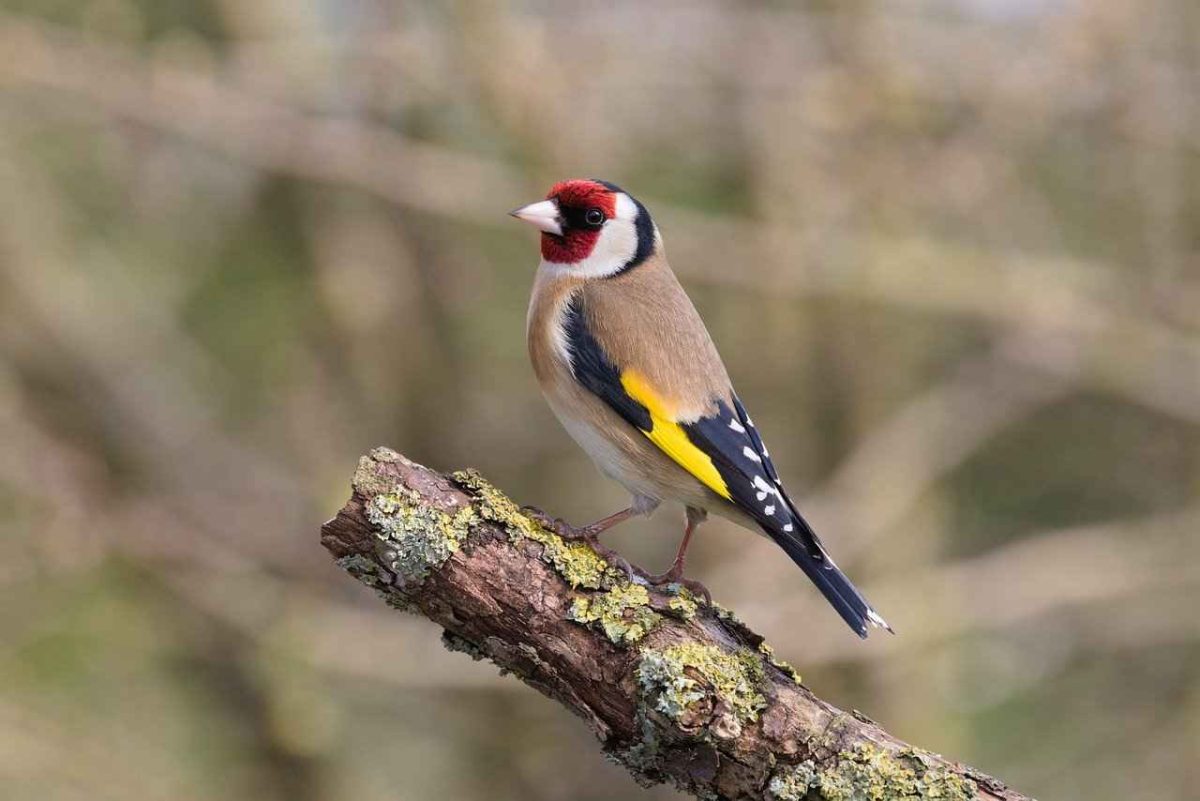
(876, 620)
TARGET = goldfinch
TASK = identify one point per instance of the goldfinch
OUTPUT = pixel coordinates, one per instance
(627, 366)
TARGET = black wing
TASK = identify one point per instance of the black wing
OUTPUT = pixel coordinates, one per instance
(744, 473)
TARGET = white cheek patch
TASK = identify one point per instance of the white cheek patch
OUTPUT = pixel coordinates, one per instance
(614, 248)
(626, 209)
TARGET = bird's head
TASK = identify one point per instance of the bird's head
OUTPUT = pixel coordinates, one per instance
(591, 229)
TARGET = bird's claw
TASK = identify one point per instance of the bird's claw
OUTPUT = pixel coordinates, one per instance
(675, 576)
(698, 589)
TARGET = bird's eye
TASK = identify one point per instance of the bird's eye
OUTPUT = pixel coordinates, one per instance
(594, 217)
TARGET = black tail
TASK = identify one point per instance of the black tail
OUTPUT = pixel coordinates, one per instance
(832, 582)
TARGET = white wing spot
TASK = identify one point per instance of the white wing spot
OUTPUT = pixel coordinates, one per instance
(749, 453)
(736, 426)
(763, 488)
(788, 527)
(749, 422)
(769, 509)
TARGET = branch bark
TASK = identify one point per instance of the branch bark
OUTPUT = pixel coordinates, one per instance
(673, 689)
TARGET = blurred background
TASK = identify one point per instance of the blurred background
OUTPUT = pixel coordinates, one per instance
(950, 250)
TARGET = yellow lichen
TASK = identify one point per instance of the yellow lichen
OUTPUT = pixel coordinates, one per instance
(574, 561)
(683, 605)
(726, 615)
(872, 773)
(786, 668)
(623, 613)
(675, 680)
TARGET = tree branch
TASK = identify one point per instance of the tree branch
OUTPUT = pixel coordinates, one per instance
(674, 690)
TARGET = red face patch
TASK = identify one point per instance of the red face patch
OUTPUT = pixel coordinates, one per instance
(576, 243)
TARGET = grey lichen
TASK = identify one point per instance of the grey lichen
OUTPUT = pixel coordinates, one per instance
(574, 561)
(873, 773)
(643, 759)
(792, 782)
(696, 684)
(456, 642)
(377, 578)
(415, 536)
(364, 570)
(623, 613)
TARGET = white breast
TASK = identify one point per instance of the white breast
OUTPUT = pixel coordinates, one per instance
(610, 459)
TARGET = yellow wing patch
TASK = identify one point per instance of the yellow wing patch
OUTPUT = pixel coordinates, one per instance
(670, 437)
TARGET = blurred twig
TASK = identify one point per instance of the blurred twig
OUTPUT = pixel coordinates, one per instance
(1068, 308)
(138, 368)
(1119, 576)
(917, 446)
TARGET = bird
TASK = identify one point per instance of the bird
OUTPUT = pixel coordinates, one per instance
(629, 369)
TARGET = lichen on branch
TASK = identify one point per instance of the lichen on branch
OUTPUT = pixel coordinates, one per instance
(675, 690)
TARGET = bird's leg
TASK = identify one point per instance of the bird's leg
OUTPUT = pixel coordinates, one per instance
(589, 533)
(676, 571)
(675, 574)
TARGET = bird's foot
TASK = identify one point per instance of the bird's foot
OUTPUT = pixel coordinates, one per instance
(588, 534)
(675, 576)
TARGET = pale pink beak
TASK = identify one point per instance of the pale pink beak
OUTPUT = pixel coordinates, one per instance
(542, 215)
